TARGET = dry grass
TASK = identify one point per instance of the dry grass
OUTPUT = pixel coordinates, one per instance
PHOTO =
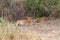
(11, 32)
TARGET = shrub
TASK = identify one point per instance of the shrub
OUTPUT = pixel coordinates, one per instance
(40, 8)
(36, 7)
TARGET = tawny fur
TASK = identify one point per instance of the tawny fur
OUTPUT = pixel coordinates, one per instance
(29, 21)
(29, 18)
(22, 23)
(25, 22)
(43, 19)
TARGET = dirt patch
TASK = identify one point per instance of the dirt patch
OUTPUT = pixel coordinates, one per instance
(49, 30)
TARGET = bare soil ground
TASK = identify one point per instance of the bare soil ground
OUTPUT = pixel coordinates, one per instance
(49, 30)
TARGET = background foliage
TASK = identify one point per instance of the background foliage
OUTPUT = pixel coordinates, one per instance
(43, 7)
(19, 9)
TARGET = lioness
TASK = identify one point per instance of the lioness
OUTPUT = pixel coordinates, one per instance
(43, 19)
(25, 22)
